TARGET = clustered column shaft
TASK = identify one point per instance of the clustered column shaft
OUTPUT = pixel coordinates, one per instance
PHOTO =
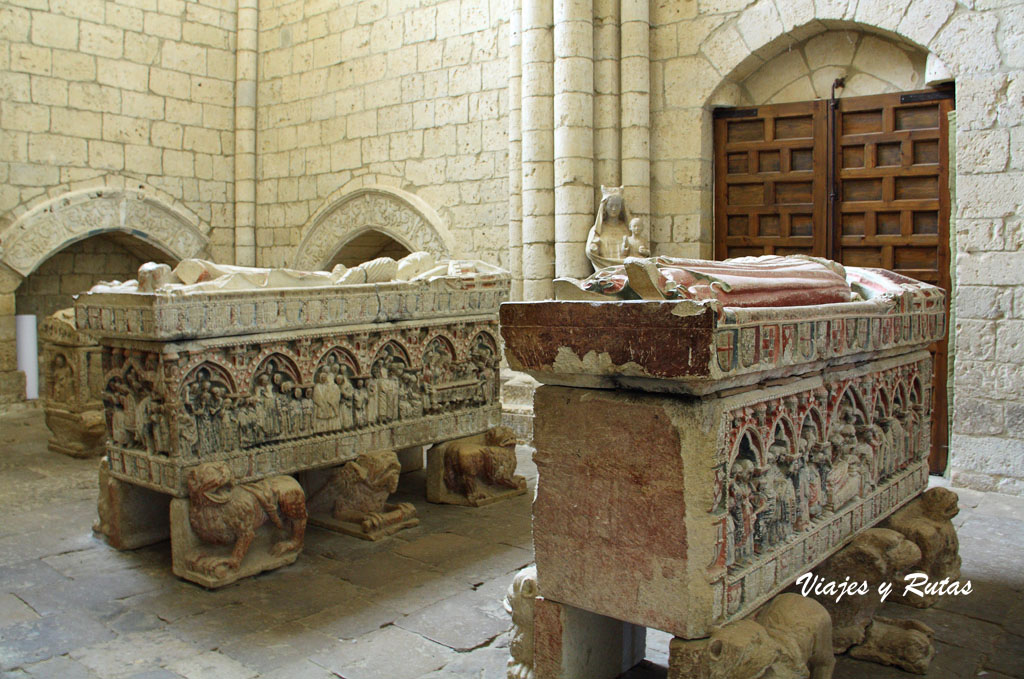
(245, 133)
(579, 101)
(635, 105)
(538, 150)
(515, 148)
(574, 134)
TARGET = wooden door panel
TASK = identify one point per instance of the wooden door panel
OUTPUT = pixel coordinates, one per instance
(768, 195)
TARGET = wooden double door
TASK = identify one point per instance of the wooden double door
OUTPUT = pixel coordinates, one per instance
(863, 181)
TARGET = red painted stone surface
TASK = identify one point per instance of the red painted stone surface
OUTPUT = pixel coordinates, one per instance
(609, 531)
(642, 332)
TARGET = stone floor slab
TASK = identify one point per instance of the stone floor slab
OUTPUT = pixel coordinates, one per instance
(53, 635)
(401, 607)
(391, 652)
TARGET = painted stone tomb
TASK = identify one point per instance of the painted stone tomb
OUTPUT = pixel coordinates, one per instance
(730, 426)
(273, 372)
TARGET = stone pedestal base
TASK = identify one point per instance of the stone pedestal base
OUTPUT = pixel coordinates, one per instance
(130, 516)
(570, 643)
(393, 519)
(187, 548)
(474, 471)
(76, 434)
(439, 493)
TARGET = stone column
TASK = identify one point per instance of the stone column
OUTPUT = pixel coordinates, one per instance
(538, 150)
(515, 148)
(574, 134)
(12, 380)
(607, 156)
(245, 133)
(635, 81)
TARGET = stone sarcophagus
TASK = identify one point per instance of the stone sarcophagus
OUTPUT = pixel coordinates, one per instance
(698, 448)
(73, 377)
(272, 372)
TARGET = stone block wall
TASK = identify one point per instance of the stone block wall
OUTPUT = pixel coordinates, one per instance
(738, 51)
(76, 268)
(101, 92)
(410, 94)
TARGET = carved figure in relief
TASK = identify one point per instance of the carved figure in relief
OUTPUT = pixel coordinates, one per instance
(326, 398)
(346, 393)
(790, 637)
(928, 522)
(480, 468)
(360, 399)
(62, 386)
(356, 493)
(519, 603)
(308, 407)
(807, 453)
(768, 501)
(614, 235)
(223, 513)
(744, 514)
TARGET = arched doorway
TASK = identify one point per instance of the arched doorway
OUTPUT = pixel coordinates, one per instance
(831, 148)
(76, 268)
(79, 266)
(354, 223)
(368, 245)
(63, 245)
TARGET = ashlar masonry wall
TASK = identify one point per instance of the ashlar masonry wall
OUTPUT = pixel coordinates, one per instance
(709, 52)
(410, 95)
(106, 92)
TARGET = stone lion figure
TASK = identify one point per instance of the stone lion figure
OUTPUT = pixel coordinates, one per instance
(222, 513)
(790, 637)
(518, 603)
(928, 523)
(875, 556)
(476, 465)
(357, 493)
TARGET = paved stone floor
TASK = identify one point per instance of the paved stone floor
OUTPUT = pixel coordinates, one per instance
(424, 604)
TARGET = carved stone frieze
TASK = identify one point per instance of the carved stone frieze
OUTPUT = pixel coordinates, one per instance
(51, 226)
(372, 208)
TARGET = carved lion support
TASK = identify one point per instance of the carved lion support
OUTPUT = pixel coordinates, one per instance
(790, 637)
(224, 532)
(353, 497)
(475, 470)
(519, 603)
(928, 523)
(874, 557)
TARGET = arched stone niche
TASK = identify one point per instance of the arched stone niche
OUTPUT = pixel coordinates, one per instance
(403, 216)
(53, 225)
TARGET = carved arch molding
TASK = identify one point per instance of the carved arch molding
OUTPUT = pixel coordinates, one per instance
(398, 214)
(55, 224)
